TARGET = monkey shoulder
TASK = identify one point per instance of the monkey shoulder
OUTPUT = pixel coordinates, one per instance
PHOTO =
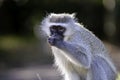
(89, 41)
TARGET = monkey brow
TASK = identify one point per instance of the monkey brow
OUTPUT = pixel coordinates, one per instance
(56, 19)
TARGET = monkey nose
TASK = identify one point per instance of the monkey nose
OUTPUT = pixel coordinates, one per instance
(57, 36)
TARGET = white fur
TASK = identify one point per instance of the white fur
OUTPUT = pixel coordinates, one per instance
(75, 33)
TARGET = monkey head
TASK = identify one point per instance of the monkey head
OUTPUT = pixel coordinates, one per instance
(59, 27)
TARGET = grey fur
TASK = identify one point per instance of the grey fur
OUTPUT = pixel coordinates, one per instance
(65, 18)
(81, 55)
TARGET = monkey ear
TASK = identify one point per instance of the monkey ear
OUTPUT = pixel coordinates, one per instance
(73, 14)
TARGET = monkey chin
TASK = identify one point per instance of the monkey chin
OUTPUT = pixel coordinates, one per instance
(51, 41)
(54, 41)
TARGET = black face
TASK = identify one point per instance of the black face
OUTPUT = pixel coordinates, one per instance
(57, 31)
(56, 34)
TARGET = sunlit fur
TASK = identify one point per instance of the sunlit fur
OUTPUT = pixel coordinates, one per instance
(77, 34)
(65, 20)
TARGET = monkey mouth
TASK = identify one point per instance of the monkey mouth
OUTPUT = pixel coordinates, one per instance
(57, 36)
(52, 40)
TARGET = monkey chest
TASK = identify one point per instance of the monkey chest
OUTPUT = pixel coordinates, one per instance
(61, 60)
(65, 65)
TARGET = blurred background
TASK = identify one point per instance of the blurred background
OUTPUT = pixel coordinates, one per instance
(24, 53)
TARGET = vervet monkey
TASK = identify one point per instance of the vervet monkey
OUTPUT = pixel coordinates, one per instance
(78, 53)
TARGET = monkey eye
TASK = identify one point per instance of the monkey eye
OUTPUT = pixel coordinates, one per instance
(53, 28)
(57, 28)
(61, 29)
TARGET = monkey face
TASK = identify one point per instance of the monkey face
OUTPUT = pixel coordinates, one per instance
(56, 34)
(59, 26)
(57, 31)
